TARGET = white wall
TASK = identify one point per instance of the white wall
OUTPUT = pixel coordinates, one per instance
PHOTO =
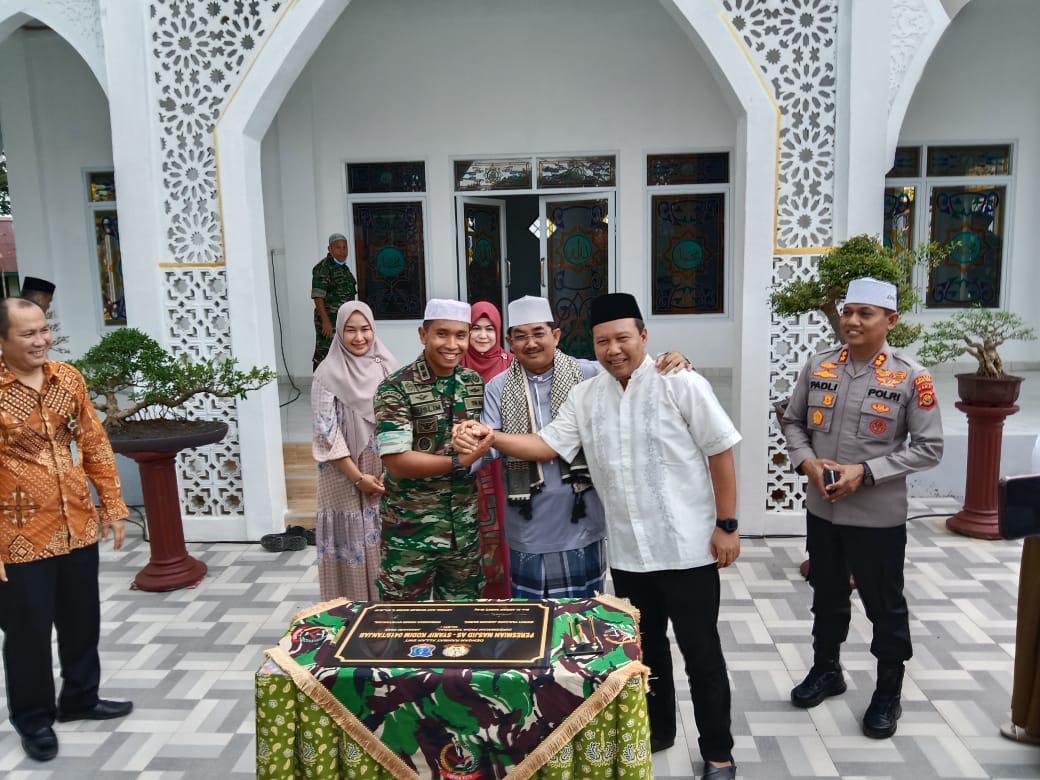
(55, 124)
(978, 87)
(403, 79)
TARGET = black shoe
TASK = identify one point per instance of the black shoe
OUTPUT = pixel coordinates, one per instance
(820, 683)
(41, 745)
(712, 772)
(657, 745)
(879, 721)
(283, 541)
(306, 533)
(105, 709)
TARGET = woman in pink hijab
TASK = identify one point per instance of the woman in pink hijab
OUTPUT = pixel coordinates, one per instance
(487, 357)
(350, 473)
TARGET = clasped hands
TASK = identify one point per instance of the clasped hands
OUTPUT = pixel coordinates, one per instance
(470, 440)
(850, 477)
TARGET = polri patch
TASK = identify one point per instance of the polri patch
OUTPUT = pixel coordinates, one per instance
(878, 426)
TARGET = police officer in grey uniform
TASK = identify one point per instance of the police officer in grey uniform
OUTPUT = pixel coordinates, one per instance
(846, 427)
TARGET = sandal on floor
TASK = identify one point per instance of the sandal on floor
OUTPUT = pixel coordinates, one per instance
(282, 542)
(1018, 734)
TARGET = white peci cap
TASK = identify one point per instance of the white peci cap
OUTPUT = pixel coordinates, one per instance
(873, 292)
(447, 309)
(524, 311)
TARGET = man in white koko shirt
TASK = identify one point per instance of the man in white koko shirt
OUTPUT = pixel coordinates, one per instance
(660, 451)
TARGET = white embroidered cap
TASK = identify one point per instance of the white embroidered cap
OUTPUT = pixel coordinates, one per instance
(524, 311)
(334, 237)
(873, 292)
(447, 309)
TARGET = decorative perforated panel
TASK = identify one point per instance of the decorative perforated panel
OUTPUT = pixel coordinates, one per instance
(793, 43)
(911, 21)
(199, 50)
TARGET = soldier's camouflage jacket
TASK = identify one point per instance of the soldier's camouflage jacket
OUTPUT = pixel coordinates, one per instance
(416, 410)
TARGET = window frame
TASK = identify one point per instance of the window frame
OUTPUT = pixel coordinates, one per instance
(368, 198)
(922, 218)
(713, 188)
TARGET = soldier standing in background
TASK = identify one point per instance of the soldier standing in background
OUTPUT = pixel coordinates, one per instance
(332, 284)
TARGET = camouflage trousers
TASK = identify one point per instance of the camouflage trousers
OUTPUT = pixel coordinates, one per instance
(443, 575)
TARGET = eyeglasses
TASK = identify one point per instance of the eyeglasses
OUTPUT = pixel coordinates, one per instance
(538, 335)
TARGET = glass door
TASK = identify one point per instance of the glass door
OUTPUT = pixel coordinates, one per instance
(577, 253)
(482, 249)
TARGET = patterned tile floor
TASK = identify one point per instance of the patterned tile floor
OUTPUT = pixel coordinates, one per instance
(187, 658)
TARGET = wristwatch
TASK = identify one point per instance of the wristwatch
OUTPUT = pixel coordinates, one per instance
(729, 524)
(868, 475)
(458, 471)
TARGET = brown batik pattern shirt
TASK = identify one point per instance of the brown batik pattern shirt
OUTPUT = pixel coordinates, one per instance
(51, 442)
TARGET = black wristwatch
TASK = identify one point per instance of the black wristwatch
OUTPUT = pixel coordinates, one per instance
(458, 471)
(868, 475)
(729, 524)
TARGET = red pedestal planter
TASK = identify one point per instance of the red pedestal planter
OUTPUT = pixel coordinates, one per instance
(170, 566)
(987, 401)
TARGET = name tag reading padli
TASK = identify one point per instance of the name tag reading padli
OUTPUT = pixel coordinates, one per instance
(449, 633)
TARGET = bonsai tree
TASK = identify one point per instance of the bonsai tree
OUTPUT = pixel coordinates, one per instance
(131, 377)
(859, 256)
(977, 332)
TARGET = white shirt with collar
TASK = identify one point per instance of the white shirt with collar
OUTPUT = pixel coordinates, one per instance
(647, 447)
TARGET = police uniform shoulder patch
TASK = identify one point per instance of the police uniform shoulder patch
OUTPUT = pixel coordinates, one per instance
(926, 398)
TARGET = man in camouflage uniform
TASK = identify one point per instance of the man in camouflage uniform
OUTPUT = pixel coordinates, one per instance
(332, 285)
(430, 544)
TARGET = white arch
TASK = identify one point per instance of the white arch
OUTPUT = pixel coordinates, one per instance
(922, 45)
(257, 98)
(15, 13)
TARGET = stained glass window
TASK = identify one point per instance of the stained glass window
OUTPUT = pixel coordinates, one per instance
(969, 160)
(388, 240)
(687, 249)
(899, 217)
(967, 216)
(367, 178)
(710, 168)
(472, 175)
(907, 163)
(483, 253)
(101, 186)
(576, 171)
(974, 218)
(110, 264)
(577, 247)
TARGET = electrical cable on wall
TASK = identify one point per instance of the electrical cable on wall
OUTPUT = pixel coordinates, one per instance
(281, 335)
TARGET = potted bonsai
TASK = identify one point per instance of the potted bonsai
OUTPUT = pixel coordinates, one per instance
(141, 389)
(977, 332)
(987, 396)
(859, 256)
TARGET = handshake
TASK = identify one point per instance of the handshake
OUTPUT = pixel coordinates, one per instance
(470, 440)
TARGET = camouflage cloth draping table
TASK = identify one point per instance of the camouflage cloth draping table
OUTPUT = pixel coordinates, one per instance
(580, 718)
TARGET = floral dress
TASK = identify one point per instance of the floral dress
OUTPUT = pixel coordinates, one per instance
(348, 520)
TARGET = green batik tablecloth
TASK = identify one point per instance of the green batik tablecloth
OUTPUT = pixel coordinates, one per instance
(582, 717)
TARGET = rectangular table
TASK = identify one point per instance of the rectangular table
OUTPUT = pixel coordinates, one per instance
(578, 717)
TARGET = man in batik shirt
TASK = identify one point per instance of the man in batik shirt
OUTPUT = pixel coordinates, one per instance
(430, 544)
(52, 443)
(332, 285)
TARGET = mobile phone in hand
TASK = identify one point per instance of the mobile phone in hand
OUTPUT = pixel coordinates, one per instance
(830, 476)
